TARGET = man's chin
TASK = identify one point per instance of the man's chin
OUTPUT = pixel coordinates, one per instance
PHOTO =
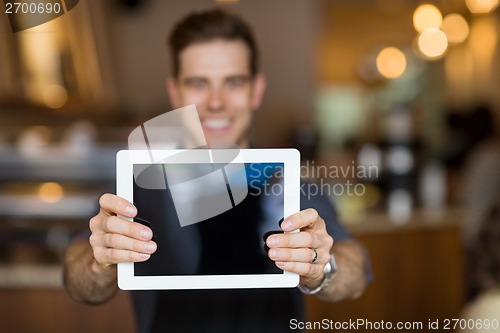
(222, 144)
(226, 141)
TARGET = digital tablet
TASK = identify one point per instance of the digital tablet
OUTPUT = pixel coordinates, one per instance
(210, 211)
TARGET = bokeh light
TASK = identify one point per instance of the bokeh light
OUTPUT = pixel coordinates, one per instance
(482, 6)
(391, 62)
(427, 16)
(50, 192)
(55, 96)
(456, 28)
(433, 42)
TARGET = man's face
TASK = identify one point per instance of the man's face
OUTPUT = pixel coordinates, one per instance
(215, 76)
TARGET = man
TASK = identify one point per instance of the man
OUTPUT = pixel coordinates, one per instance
(215, 67)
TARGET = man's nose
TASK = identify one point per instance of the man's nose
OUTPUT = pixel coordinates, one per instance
(216, 100)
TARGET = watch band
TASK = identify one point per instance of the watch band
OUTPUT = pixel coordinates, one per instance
(329, 271)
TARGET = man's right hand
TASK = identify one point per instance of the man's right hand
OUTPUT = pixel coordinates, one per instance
(115, 239)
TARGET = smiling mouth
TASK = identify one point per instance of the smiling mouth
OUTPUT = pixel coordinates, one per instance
(216, 124)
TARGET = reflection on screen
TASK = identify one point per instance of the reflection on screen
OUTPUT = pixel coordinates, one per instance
(231, 242)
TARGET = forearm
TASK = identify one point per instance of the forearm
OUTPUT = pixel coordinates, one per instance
(350, 279)
(84, 280)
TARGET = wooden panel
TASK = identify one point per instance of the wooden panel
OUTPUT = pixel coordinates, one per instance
(418, 275)
(52, 310)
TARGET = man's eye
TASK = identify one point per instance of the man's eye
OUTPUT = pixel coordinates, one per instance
(236, 82)
(197, 84)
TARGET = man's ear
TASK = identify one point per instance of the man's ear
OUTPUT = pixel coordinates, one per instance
(173, 92)
(259, 88)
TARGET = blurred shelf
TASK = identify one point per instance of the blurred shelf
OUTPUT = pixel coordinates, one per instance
(30, 206)
(59, 164)
(30, 276)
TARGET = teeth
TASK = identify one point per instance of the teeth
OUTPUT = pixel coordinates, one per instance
(216, 123)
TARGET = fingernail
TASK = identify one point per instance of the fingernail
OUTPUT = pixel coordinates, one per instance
(287, 224)
(145, 256)
(131, 210)
(273, 241)
(280, 264)
(274, 254)
(149, 247)
(146, 234)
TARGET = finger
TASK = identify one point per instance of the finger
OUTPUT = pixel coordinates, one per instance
(115, 256)
(309, 271)
(294, 240)
(307, 218)
(117, 225)
(145, 223)
(120, 242)
(113, 204)
(305, 255)
(269, 233)
(266, 235)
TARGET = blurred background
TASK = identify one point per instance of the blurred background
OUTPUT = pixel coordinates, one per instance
(406, 89)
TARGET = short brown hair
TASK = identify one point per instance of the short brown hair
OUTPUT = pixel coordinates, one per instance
(209, 25)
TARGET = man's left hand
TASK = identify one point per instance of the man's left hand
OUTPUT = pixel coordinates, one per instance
(305, 252)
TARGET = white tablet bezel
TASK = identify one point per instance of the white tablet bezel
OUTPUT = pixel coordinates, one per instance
(125, 159)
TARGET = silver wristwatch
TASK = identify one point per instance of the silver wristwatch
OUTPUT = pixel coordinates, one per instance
(329, 270)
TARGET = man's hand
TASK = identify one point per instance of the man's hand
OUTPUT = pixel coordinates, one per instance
(90, 266)
(115, 239)
(295, 252)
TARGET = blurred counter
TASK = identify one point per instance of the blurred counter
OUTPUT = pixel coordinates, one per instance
(418, 268)
(380, 222)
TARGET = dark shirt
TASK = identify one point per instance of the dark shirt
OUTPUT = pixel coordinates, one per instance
(241, 310)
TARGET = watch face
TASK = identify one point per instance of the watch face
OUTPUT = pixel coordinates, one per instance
(328, 268)
(332, 264)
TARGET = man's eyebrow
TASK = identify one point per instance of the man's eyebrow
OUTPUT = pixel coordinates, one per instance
(192, 79)
(242, 78)
(245, 77)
